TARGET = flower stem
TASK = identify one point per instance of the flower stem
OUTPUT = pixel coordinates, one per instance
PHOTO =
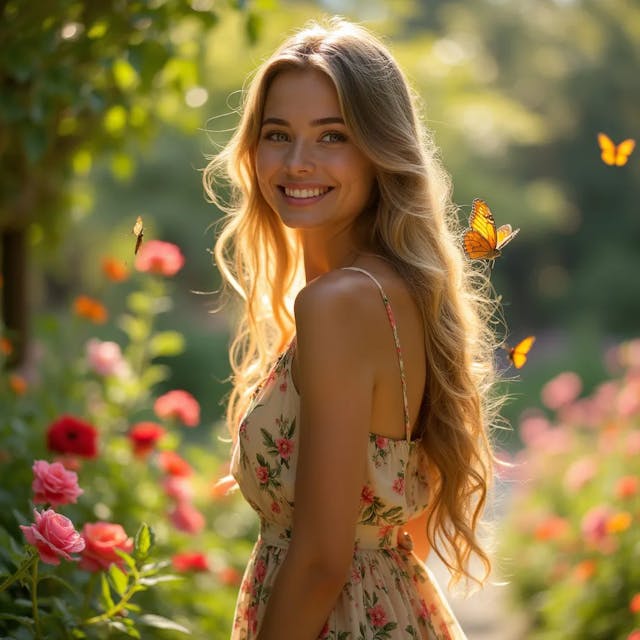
(21, 571)
(116, 608)
(34, 600)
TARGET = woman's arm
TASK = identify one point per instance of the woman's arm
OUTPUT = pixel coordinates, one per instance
(335, 378)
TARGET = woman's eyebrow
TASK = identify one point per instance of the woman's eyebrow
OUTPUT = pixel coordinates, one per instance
(315, 123)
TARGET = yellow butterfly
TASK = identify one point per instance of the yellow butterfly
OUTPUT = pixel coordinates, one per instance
(518, 354)
(483, 241)
(612, 154)
(138, 232)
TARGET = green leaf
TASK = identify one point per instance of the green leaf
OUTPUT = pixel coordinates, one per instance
(137, 330)
(158, 622)
(55, 578)
(143, 541)
(140, 302)
(131, 563)
(167, 343)
(119, 579)
(105, 599)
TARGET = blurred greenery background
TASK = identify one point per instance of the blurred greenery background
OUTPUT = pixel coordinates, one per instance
(515, 92)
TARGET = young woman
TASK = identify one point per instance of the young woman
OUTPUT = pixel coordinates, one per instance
(342, 243)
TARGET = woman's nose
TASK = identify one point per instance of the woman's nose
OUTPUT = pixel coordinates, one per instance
(299, 158)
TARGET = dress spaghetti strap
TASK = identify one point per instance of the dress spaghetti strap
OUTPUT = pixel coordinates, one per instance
(392, 322)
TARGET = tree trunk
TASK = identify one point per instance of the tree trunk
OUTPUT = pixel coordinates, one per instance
(15, 316)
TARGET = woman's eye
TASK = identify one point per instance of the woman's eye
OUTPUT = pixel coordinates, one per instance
(276, 136)
(334, 136)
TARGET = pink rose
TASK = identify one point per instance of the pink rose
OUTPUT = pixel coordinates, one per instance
(367, 496)
(54, 536)
(185, 517)
(156, 256)
(180, 405)
(52, 483)
(105, 358)
(398, 486)
(381, 442)
(377, 615)
(101, 540)
(285, 447)
(262, 473)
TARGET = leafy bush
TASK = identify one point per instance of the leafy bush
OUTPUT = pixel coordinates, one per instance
(572, 530)
(126, 465)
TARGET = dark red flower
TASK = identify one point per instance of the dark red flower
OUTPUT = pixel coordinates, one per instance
(190, 561)
(69, 434)
(144, 436)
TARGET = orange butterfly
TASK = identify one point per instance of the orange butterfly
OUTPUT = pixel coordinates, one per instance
(482, 241)
(138, 232)
(518, 354)
(612, 154)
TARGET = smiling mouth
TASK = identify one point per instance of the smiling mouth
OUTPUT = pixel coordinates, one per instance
(305, 193)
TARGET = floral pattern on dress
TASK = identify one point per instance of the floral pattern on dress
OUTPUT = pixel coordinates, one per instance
(390, 594)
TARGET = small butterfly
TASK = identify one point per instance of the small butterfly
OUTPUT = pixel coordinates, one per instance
(482, 241)
(612, 154)
(518, 354)
(138, 232)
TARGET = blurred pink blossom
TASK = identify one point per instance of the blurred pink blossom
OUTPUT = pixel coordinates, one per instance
(106, 359)
(178, 487)
(163, 258)
(561, 390)
(180, 405)
(533, 429)
(594, 525)
(54, 536)
(628, 403)
(185, 517)
(579, 473)
(52, 483)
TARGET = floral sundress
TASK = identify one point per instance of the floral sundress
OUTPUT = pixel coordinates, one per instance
(390, 594)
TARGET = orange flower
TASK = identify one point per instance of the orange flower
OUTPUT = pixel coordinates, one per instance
(634, 605)
(584, 570)
(5, 347)
(115, 270)
(93, 310)
(551, 528)
(627, 486)
(17, 384)
(619, 522)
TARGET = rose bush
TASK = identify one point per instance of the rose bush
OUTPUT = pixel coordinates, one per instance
(86, 416)
(573, 525)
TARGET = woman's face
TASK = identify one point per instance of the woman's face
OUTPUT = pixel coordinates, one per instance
(309, 169)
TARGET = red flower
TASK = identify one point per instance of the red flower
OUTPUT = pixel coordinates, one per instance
(185, 517)
(52, 483)
(69, 434)
(144, 436)
(178, 488)
(172, 464)
(262, 473)
(634, 605)
(627, 486)
(190, 561)
(54, 536)
(101, 540)
(229, 576)
(160, 257)
(367, 496)
(180, 405)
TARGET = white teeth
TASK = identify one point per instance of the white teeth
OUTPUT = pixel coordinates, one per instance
(305, 193)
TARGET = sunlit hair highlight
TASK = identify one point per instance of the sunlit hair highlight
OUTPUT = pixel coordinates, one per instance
(413, 224)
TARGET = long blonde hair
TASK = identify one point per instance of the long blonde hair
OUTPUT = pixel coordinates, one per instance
(414, 225)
